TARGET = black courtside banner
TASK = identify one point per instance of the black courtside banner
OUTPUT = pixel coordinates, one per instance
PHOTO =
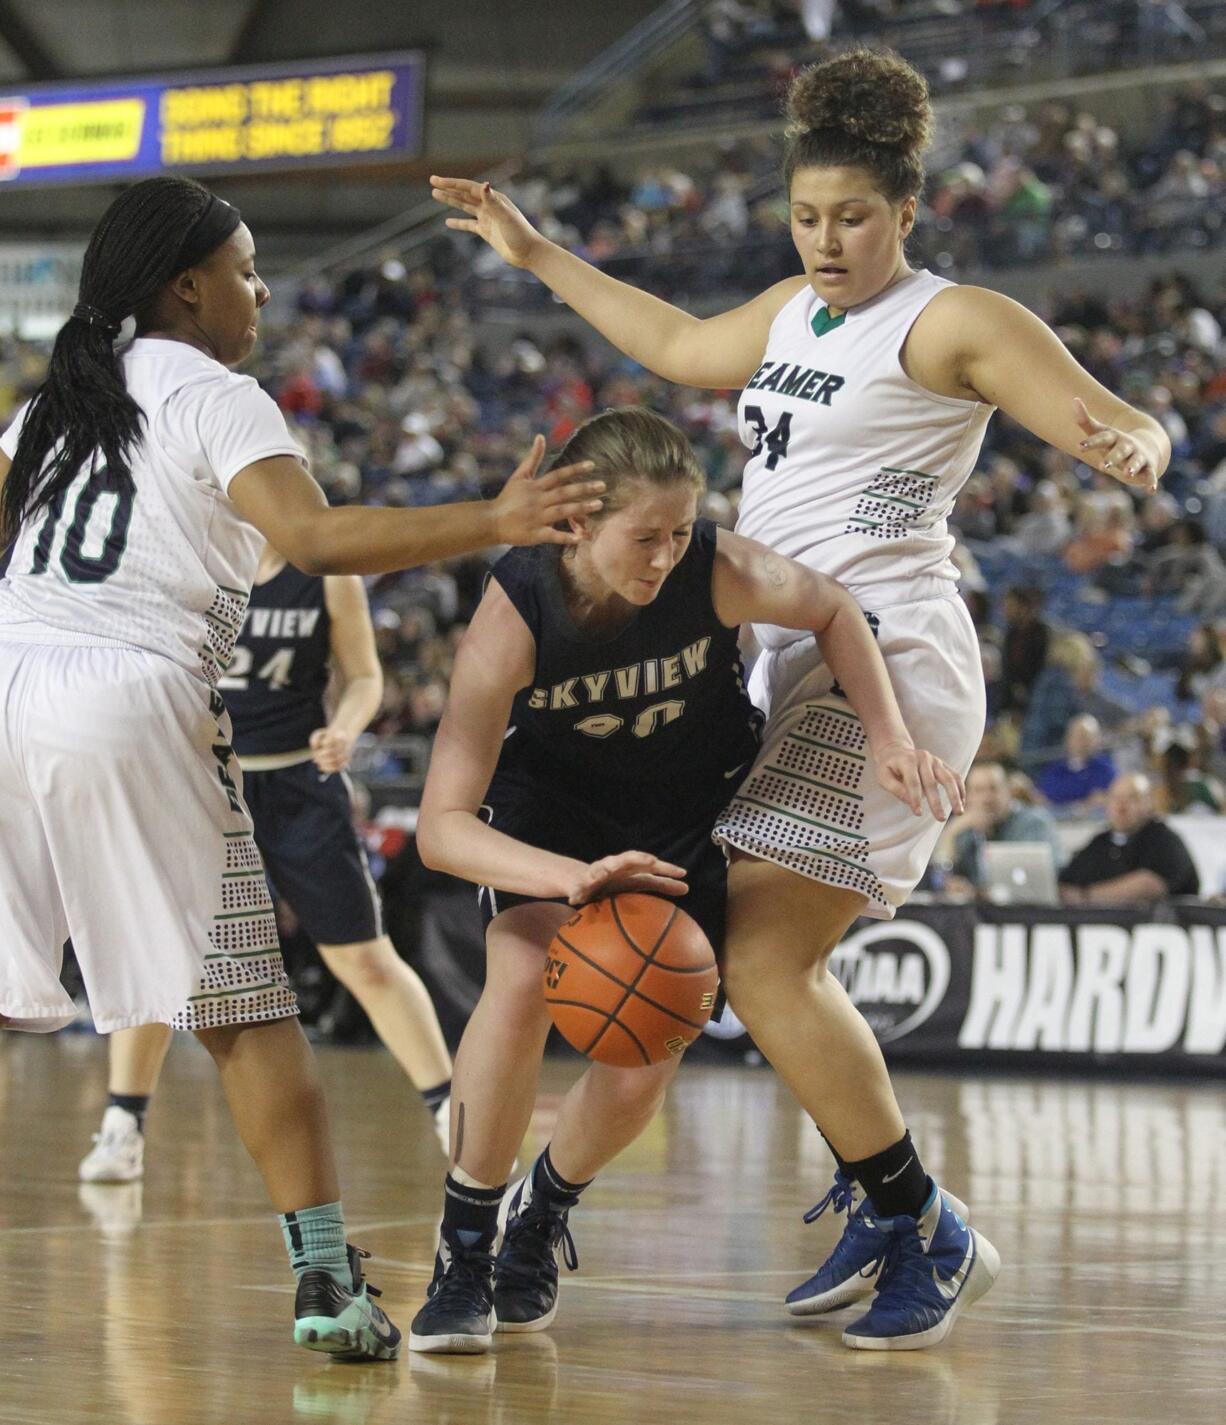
(1023, 985)
(966, 986)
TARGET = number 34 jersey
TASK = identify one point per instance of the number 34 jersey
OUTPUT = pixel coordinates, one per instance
(166, 563)
(649, 728)
(854, 466)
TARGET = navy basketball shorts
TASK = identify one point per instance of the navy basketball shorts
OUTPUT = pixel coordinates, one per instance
(567, 828)
(314, 858)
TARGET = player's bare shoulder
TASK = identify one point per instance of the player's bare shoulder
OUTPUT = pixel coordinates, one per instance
(946, 334)
(498, 640)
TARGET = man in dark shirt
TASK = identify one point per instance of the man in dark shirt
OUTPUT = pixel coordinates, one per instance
(1138, 860)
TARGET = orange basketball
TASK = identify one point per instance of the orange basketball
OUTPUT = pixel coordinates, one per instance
(630, 980)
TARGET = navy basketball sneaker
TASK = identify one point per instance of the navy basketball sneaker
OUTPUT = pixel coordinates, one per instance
(933, 1266)
(458, 1317)
(849, 1273)
(526, 1268)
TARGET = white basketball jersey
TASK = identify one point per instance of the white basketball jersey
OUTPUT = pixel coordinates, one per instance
(168, 564)
(854, 467)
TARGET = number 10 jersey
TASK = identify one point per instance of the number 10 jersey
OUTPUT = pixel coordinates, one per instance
(164, 564)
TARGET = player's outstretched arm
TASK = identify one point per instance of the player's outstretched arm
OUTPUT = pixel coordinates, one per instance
(285, 504)
(754, 584)
(496, 658)
(980, 343)
(716, 352)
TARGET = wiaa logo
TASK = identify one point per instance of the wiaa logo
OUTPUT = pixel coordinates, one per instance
(896, 973)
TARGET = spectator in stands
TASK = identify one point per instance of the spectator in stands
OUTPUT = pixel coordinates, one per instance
(1076, 784)
(1104, 534)
(1045, 528)
(992, 814)
(1136, 861)
(1066, 688)
(1202, 664)
(1190, 567)
(1025, 646)
(1186, 789)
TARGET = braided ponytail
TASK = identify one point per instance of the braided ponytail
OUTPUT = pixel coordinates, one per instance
(83, 406)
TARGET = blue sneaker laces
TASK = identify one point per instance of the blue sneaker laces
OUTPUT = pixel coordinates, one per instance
(841, 1197)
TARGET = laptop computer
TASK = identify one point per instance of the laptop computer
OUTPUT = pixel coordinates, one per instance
(1019, 873)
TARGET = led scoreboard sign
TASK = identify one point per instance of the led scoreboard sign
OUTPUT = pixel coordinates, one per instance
(357, 109)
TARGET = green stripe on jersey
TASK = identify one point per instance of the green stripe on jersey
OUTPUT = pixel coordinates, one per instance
(823, 322)
(806, 820)
(899, 470)
(825, 786)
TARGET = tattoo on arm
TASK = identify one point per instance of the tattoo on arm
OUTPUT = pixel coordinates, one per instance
(776, 570)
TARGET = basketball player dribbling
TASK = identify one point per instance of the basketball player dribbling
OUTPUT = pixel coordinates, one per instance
(298, 630)
(137, 483)
(867, 389)
(596, 721)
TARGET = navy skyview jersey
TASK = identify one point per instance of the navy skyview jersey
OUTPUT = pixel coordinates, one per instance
(650, 728)
(274, 688)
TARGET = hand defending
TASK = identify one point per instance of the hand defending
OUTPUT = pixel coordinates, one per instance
(528, 508)
(490, 215)
(1115, 452)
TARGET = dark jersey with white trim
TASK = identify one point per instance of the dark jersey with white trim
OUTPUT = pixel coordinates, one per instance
(649, 728)
(274, 688)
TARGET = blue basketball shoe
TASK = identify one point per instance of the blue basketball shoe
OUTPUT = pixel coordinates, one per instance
(850, 1272)
(526, 1268)
(932, 1267)
(458, 1316)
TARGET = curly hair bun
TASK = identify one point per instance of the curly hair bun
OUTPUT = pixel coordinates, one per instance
(871, 95)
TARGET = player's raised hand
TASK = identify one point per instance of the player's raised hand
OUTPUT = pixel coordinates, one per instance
(528, 508)
(490, 214)
(331, 748)
(915, 777)
(1125, 456)
(628, 871)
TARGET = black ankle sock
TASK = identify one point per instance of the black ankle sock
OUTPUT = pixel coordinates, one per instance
(548, 1182)
(894, 1179)
(839, 1161)
(471, 1213)
(435, 1096)
(134, 1103)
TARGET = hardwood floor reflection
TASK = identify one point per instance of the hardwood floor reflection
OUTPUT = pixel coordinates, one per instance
(167, 1302)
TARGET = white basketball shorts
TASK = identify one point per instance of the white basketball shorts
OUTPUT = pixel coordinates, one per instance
(812, 802)
(122, 826)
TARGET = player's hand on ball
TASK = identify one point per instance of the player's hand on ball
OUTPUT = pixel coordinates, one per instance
(490, 215)
(1127, 457)
(331, 748)
(529, 507)
(915, 777)
(628, 871)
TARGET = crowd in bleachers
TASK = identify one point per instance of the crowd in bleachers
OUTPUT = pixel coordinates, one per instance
(751, 46)
(1032, 186)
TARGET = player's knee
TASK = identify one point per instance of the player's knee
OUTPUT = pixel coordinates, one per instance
(365, 967)
(635, 1093)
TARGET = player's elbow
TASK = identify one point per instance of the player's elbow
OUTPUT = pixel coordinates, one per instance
(307, 546)
(430, 842)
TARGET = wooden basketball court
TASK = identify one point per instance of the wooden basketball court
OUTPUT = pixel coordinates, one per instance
(168, 1303)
